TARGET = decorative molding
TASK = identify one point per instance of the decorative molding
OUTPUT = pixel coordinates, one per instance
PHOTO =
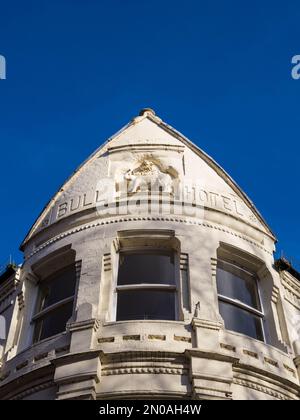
(207, 324)
(212, 355)
(84, 325)
(146, 147)
(205, 393)
(291, 289)
(214, 264)
(146, 218)
(266, 380)
(262, 388)
(107, 261)
(143, 370)
(275, 294)
(138, 357)
(21, 300)
(185, 285)
(33, 390)
(184, 262)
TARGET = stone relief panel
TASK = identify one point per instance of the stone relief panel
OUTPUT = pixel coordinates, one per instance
(148, 174)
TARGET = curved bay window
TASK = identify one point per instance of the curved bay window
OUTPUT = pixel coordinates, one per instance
(146, 286)
(239, 301)
(55, 306)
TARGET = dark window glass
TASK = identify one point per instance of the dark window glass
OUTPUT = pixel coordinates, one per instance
(58, 287)
(54, 291)
(150, 268)
(237, 284)
(239, 320)
(54, 322)
(146, 304)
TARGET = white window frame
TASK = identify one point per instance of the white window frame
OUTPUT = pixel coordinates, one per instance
(40, 313)
(148, 286)
(237, 303)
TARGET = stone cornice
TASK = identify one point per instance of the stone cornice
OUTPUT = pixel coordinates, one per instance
(207, 324)
(263, 374)
(265, 382)
(75, 357)
(263, 388)
(84, 325)
(33, 390)
(175, 219)
(212, 355)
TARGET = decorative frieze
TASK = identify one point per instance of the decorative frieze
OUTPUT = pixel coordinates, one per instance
(143, 362)
(266, 390)
(144, 370)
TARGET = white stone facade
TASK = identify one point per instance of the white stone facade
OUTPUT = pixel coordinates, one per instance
(150, 188)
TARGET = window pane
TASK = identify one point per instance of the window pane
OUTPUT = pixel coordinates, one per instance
(146, 268)
(236, 319)
(60, 286)
(235, 283)
(145, 304)
(54, 322)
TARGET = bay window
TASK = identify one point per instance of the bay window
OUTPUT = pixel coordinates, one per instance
(55, 305)
(146, 285)
(239, 301)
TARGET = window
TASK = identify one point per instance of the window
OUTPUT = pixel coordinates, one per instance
(239, 301)
(55, 303)
(146, 286)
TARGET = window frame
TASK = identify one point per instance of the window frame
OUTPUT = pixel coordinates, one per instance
(42, 313)
(241, 305)
(168, 288)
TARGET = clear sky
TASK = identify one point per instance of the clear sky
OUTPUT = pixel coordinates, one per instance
(218, 71)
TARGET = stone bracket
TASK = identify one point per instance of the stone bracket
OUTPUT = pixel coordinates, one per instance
(211, 374)
(77, 375)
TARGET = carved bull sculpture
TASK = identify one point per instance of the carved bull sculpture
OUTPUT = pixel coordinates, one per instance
(140, 178)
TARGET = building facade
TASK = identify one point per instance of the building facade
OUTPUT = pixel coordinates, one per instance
(150, 274)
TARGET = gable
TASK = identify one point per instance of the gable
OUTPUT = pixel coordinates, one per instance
(148, 141)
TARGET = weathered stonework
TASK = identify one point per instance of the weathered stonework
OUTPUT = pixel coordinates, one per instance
(180, 199)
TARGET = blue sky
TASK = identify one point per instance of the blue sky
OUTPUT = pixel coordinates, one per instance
(218, 71)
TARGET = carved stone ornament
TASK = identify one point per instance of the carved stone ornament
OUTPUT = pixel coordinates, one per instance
(148, 173)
